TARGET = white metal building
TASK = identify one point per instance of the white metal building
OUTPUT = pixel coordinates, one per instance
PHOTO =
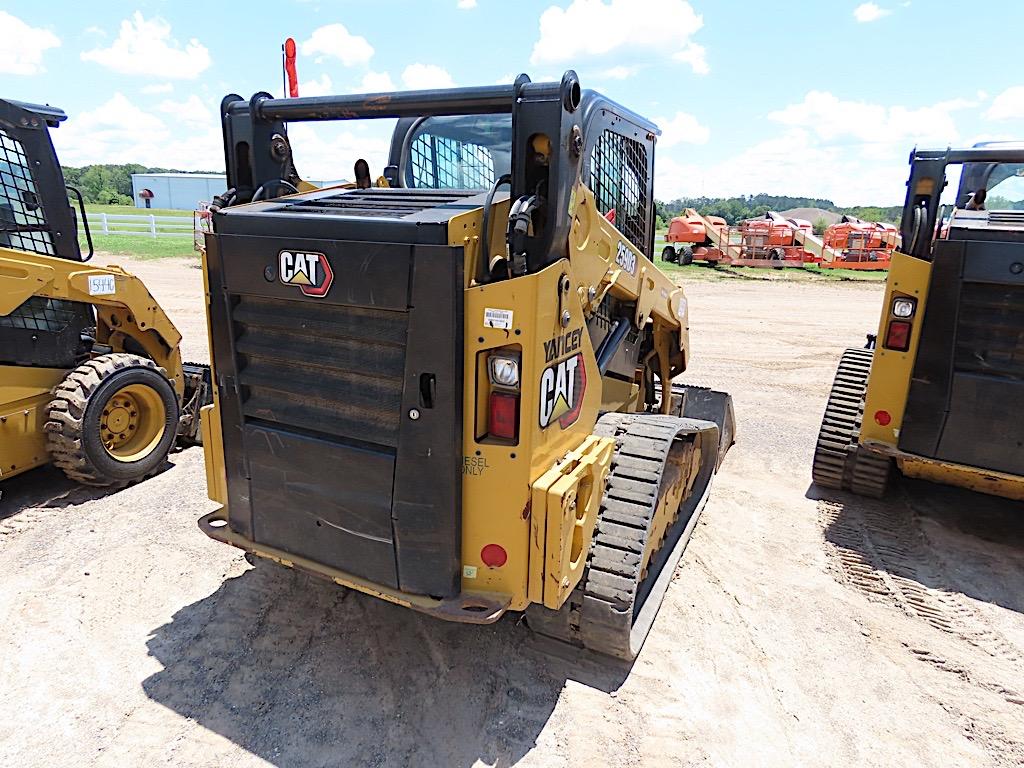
(184, 191)
(178, 191)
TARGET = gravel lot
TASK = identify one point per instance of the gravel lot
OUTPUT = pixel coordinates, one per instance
(800, 629)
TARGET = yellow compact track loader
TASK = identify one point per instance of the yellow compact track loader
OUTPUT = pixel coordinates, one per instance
(91, 376)
(452, 388)
(939, 391)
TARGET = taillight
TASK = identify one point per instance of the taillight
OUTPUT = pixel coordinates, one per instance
(898, 336)
(498, 406)
(503, 415)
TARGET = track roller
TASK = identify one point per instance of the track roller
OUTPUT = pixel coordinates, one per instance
(659, 481)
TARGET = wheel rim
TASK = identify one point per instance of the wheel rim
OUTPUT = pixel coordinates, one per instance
(132, 423)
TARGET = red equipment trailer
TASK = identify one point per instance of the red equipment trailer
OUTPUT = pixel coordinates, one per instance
(771, 241)
(861, 244)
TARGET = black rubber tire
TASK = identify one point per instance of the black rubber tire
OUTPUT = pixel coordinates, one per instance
(686, 257)
(840, 461)
(669, 254)
(612, 610)
(73, 420)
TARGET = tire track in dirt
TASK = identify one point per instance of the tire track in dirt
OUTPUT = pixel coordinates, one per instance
(882, 552)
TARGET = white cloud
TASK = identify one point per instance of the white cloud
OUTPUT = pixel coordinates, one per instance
(335, 41)
(23, 46)
(1008, 105)
(158, 88)
(322, 86)
(376, 82)
(617, 73)
(147, 48)
(423, 76)
(118, 131)
(831, 118)
(866, 12)
(694, 55)
(191, 112)
(626, 30)
(849, 152)
(684, 128)
(466, 4)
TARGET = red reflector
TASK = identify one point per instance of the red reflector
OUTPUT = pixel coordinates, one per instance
(503, 420)
(882, 418)
(494, 555)
(898, 336)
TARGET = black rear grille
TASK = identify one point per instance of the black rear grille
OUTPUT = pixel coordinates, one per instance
(990, 330)
(376, 203)
(329, 369)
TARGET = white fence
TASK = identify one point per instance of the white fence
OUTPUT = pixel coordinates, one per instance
(145, 225)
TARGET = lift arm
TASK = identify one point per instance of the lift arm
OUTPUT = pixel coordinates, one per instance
(126, 311)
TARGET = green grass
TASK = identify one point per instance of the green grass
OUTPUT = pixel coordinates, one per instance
(810, 274)
(131, 210)
(141, 247)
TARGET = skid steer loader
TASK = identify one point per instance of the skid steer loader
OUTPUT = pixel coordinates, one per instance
(938, 392)
(452, 389)
(91, 376)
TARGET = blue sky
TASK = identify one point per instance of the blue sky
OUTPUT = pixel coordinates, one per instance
(818, 98)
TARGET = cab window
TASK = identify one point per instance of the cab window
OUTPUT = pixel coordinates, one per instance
(459, 152)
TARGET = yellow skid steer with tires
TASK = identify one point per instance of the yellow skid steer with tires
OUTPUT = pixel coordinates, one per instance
(91, 377)
(453, 388)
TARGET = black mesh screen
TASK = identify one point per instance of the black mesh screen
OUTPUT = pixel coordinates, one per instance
(22, 220)
(440, 162)
(618, 179)
(42, 314)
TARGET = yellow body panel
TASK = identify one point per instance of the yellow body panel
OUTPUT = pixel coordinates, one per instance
(497, 478)
(209, 418)
(889, 383)
(24, 395)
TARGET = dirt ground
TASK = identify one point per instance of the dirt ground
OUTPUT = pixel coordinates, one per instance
(799, 630)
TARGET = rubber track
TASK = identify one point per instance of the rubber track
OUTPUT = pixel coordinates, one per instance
(599, 613)
(838, 460)
(66, 412)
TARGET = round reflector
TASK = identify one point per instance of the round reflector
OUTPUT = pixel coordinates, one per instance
(882, 418)
(494, 555)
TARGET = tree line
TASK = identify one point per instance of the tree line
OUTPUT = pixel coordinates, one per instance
(736, 209)
(109, 184)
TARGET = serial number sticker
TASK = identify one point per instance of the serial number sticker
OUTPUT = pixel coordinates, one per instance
(101, 285)
(498, 318)
(469, 571)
